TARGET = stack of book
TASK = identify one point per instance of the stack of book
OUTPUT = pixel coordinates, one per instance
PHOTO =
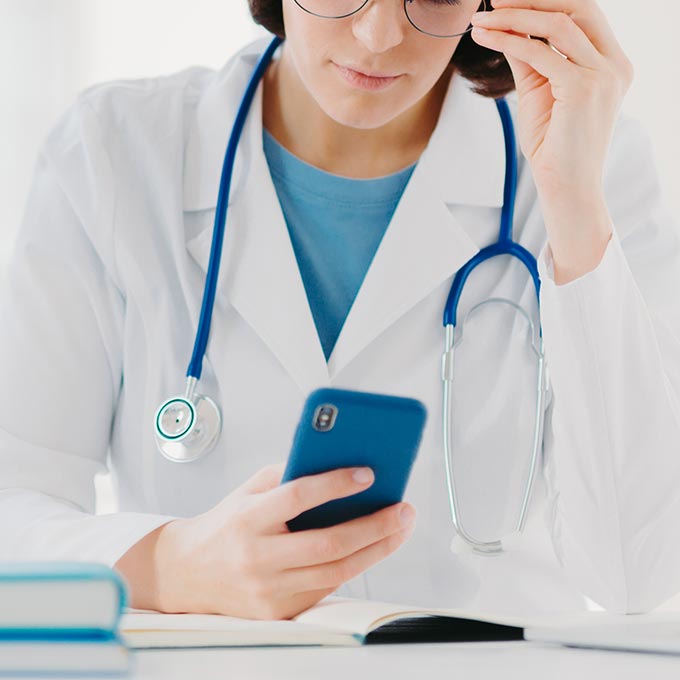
(61, 617)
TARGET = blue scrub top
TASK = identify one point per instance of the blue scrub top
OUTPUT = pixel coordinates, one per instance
(335, 225)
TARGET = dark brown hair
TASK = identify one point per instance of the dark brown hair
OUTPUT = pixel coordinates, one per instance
(486, 69)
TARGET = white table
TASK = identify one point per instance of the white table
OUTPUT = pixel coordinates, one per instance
(468, 661)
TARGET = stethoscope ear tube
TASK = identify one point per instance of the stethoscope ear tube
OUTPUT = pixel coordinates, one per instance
(187, 427)
(507, 247)
(465, 542)
(203, 332)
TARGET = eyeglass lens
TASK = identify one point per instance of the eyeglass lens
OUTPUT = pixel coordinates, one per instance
(439, 18)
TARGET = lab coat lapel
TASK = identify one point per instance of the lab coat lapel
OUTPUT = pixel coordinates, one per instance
(421, 248)
(266, 286)
(259, 274)
(464, 164)
(424, 245)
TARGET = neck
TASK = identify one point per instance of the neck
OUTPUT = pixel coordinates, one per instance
(298, 123)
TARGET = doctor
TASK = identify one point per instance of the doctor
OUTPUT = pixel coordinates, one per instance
(360, 115)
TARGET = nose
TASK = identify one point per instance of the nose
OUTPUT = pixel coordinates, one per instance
(380, 25)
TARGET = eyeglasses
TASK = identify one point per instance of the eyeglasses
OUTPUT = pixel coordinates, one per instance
(438, 18)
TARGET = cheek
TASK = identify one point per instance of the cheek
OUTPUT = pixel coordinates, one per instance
(309, 51)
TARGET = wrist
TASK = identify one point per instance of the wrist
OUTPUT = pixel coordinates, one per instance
(167, 568)
(139, 569)
(579, 230)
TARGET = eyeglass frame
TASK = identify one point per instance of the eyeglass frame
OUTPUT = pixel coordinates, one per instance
(485, 3)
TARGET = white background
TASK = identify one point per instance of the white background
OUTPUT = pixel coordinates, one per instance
(51, 49)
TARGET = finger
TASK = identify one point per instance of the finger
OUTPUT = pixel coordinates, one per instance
(264, 479)
(320, 546)
(587, 14)
(558, 28)
(533, 52)
(287, 501)
(334, 574)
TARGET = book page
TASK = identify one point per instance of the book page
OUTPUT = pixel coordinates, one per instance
(358, 617)
(332, 621)
(363, 616)
(331, 615)
(149, 629)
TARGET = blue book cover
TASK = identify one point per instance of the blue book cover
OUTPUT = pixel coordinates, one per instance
(57, 599)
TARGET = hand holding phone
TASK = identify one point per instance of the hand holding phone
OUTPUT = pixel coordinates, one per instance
(342, 429)
(240, 559)
(251, 565)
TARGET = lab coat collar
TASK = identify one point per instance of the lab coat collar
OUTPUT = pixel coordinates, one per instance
(423, 246)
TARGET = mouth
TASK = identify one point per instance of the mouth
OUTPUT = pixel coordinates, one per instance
(365, 81)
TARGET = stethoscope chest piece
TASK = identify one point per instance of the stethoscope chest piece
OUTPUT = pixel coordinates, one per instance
(187, 427)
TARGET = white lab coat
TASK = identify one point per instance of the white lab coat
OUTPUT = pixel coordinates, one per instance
(101, 303)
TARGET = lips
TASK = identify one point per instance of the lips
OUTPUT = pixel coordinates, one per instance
(367, 72)
(363, 80)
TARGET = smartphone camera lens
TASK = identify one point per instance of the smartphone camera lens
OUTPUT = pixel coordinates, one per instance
(324, 418)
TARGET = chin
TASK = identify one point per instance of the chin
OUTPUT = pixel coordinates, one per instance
(359, 122)
(361, 117)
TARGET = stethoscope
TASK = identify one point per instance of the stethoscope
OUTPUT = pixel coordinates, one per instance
(187, 427)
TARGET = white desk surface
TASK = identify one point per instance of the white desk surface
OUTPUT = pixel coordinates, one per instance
(468, 661)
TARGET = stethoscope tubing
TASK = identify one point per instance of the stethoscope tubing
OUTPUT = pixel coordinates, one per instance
(203, 333)
(504, 246)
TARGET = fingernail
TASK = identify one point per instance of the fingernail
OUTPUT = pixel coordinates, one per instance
(406, 515)
(363, 475)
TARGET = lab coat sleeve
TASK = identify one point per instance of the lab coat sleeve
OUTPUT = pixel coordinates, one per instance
(61, 318)
(612, 434)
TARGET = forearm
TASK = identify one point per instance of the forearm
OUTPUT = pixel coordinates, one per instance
(611, 449)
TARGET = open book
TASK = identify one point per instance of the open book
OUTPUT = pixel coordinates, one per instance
(333, 621)
(337, 621)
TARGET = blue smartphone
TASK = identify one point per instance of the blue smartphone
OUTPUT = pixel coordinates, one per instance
(344, 428)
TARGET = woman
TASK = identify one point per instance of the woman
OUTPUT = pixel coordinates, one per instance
(366, 114)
